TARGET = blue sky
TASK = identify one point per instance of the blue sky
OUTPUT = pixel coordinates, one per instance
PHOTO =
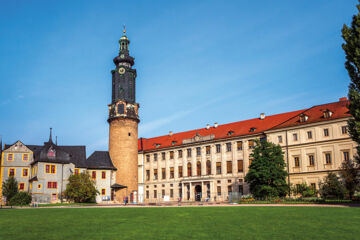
(198, 62)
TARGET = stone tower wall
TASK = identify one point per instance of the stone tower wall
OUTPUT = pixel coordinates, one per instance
(123, 149)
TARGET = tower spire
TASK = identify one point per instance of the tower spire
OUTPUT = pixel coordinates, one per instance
(124, 31)
(50, 137)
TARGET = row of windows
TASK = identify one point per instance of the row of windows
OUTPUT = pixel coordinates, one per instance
(25, 157)
(311, 158)
(344, 130)
(229, 169)
(239, 145)
(103, 175)
(24, 172)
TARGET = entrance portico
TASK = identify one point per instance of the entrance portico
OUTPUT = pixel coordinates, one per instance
(196, 190)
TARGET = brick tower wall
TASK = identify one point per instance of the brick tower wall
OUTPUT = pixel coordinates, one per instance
(123, 150)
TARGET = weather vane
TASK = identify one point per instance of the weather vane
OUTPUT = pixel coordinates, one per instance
(124, 29)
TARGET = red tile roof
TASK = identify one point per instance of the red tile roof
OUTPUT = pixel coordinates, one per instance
(241, 128)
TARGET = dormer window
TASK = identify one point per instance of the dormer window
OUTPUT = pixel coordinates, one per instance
(157, 145)
(327, 113)
(173, 143)
(303, 117)
(51, 153)
(252, 129)
(230, 133)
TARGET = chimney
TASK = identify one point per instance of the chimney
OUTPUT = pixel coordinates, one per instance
(262, 116)
(170, 133)
(215, 125)
(207, 126)
(343, 99)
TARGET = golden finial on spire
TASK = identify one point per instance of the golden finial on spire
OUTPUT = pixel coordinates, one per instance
(124, 31)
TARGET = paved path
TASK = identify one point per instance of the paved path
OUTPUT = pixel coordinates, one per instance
(197, 205)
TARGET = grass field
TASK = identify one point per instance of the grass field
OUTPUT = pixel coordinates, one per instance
(181, 223)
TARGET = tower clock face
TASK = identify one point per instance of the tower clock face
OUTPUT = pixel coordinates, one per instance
(121, 70)
(122, 56)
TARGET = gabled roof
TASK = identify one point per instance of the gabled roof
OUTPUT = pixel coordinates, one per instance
(248, 127)
(316, 114)
(100, 160)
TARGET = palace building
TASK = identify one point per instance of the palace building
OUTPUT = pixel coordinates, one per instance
(207, 164)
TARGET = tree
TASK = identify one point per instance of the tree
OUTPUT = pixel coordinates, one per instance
(267, 175)
(10, 188)
(332, 188)
(304, 190)
(351, 47)
(81, 188)
(350, 176)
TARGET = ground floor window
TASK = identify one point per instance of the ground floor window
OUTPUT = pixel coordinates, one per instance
(21, 186)
(52, 185)
(103, 191)
(219, 190)
(147, 194)
(53, 196)
(171, 193)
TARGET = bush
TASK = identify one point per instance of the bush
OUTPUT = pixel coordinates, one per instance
(81, 189)
(20, 199)
(332, 188)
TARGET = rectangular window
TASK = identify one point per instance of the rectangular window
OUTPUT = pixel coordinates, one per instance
(21, 186)
(103, 175)
(313, 186)
(53, 168)
(155, 193)
(218, 168)
(207, 150)
(328, 158)
(147, 175)
(198, 151)
(52, 185)
(155, 157)
(240, 166)
(171, 154)
(295, 137)
(228, 147)
(93, 174)
(25, 172)
(147, 158)
(251, 144)
(163, 173)
(250, 161)
(11, 172)
(219, 190)
(189, 152)
(280, 139)
(344, 129)
(50, 168)
(180, 171)
(229, 189)
(77, 171)
(229, 166)
(171, 172)
(326, 132)
(155, 174)
(163, 193)
(180, 154)
(25, 157)
(239, 145)
(311, 160)
(39, 186)
(103, 191)
(147, 194)
(163, 156)
(346, 155)
(297, 161)
(309, 134)
(171, 193)
(10, 157)
(218, 148)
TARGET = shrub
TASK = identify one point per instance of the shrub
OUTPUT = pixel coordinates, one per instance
(20, 199)
(332, 188)
(81, 188)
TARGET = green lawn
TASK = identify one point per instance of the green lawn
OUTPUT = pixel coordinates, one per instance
(181, 223)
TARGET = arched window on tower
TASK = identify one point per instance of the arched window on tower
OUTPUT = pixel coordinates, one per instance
(208, 167)
(198, 168)
(189, 169)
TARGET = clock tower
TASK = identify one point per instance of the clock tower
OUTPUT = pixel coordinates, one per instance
(123, 124)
